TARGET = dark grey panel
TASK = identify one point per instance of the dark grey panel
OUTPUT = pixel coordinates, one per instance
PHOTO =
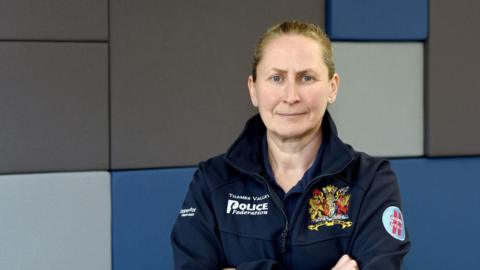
(179, 72)
(53, 106)
(54, 19)
(453, 83)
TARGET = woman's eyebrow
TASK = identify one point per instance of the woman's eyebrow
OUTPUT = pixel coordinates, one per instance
(308, 70)
(303, 71)
(278, 70)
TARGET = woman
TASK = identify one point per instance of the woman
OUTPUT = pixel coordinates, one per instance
(289, 194)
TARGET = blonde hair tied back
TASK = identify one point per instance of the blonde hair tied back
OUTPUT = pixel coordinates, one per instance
(305, 29)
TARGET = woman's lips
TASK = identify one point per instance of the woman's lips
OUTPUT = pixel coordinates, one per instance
(291, 114)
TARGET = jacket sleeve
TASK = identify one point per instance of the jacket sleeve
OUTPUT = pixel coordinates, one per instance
(194, 237)
(380, 240)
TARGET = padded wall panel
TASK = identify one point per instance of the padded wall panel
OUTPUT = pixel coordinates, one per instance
(54, 19)
(179, 75)
(55, 221)
(145, 206)
(377, 19)
(379, 108)
(453, 84)
(53, 106)
(441, 202)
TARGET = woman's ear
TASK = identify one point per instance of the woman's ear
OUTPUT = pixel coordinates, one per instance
(252, 91)
(334, 84)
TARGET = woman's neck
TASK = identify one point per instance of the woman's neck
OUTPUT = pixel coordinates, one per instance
(290, 159)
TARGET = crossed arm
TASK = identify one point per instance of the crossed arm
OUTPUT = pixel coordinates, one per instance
(344, 263)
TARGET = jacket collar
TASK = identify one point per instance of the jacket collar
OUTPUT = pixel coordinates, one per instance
(246, 152)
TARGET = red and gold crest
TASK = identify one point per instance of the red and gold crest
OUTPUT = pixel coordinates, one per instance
(329, 207)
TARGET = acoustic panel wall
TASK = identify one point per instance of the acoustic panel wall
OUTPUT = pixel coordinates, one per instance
(453, 85)
(55, 221)
(145, 206)
(179, 80)
(54, 20)
(379, 108)
(53, 106)
(441, 202)
(377, 19)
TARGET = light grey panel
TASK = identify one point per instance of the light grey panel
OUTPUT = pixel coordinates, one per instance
(55, 221)
(179, 75)
(54, 19)
(453, 81)
(379, 108)
(53, 107)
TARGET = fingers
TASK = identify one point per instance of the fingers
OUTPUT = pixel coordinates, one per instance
(346, 263)
(345, 258)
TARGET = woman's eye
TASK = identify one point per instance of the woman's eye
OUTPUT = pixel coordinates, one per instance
(307, 78)
(276, 78)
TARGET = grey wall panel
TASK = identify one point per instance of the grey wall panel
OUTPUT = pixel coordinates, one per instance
(55, 221)
(453, 84)
(379, 108)
(53, 106)
(54, 19)
(179, 71)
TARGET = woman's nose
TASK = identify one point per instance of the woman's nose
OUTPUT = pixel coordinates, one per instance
(291, 93)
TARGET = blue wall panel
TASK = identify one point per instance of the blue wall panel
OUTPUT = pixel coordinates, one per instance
(439, 198)
(377, 19)
(145, 204)
(441, 203)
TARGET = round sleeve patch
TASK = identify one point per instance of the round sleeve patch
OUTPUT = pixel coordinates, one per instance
(393, 222)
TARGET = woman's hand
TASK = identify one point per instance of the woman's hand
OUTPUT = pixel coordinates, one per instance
(346, 263)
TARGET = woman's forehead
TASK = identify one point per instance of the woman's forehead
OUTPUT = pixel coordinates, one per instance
(292, 53)
(292, 40)
(293, 45)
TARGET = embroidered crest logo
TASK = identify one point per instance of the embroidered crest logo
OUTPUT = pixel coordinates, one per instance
(329, 207)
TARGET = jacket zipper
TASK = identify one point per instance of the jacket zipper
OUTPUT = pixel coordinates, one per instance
(279, 204)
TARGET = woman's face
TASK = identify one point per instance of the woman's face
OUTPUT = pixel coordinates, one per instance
(292, 88)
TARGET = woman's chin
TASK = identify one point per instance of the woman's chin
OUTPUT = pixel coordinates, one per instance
(290, 134)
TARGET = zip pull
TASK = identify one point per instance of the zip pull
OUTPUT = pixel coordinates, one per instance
(284, 240)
